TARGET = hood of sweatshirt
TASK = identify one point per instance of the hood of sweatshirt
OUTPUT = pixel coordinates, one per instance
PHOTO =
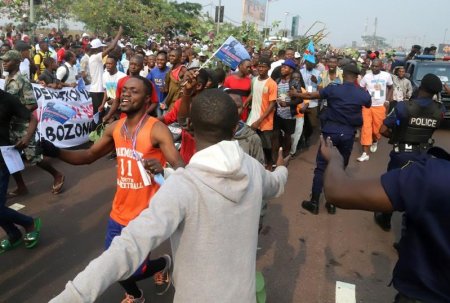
(244, 131)
(220, 168)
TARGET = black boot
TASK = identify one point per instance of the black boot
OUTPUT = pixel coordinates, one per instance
(313, 205)
(330, 208)
(383, 220)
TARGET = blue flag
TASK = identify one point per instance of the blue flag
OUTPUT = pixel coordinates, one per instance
(57, 112)
(81, 84)
(309, 53)
(232, 52)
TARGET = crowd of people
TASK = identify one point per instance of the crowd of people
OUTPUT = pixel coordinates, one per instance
(238, 130)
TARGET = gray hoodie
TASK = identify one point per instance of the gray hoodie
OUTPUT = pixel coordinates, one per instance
(210, 210)
(249, 141)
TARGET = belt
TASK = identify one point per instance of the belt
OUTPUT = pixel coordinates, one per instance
(409, 148)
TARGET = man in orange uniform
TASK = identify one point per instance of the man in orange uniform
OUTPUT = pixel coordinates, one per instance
(142, 143)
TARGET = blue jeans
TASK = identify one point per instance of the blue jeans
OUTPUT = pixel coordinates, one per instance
(115, 229)
(9, 217)
(344, 144)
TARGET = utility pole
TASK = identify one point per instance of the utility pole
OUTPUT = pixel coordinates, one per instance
(218, 19)
(32, 11)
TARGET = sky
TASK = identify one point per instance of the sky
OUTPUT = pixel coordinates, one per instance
(401, 22)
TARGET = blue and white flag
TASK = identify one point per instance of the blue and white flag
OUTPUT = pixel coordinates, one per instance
(232, 52)
(310, 52)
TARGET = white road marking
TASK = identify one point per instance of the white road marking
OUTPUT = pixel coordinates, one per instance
(345, 292)
(17, 206)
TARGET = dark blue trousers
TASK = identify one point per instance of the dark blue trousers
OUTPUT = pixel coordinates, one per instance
(344, 143)
(9, 217)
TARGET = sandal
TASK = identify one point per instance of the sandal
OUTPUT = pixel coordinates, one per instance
(57, 188)
(6, 245)
(31, 239)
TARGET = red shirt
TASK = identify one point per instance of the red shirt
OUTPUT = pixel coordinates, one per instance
(242, 84)
(187, 140)
(60, 55)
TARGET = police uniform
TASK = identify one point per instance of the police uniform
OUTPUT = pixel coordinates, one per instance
(420, 189)
(19, 86)
(412, 123)
(342, 117)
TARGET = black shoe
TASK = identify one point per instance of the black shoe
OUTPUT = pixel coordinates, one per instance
(382, 221)
(311, 206)
(330, 208)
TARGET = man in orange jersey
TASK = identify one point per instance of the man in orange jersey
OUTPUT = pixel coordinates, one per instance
(142, 143)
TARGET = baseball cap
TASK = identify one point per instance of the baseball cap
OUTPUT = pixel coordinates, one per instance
(84, 35)
(96, 43)
(351, 68)
(11, 55)
(22, 46)
(290, 63)
(297, 55)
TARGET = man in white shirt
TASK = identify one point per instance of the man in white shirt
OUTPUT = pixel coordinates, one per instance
(379, 85)
(110, 79)
(96, 68)
(24, 49)
(67, 73)
(311, 77)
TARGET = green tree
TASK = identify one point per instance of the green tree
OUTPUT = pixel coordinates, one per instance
(46, 12)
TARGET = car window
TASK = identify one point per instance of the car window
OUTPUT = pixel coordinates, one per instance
(442, 71)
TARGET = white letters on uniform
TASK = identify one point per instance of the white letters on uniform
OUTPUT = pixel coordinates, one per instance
(428, 122)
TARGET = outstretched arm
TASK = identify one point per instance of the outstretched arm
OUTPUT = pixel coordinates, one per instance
(348, 192)
(86, 156)
(162, 137)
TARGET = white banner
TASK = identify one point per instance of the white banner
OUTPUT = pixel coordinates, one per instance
(66, 114)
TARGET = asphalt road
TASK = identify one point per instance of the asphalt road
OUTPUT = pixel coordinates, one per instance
(301, 255)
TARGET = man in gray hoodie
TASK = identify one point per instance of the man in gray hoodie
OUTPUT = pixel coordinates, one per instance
(210, 210)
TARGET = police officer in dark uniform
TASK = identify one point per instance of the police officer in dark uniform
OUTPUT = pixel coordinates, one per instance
(340, 120)
(410, 127)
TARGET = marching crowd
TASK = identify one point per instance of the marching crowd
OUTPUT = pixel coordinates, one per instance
(238, 130)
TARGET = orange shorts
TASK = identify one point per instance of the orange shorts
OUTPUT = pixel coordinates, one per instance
(373, 118)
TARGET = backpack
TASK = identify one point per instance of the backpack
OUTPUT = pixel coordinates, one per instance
(66, 75)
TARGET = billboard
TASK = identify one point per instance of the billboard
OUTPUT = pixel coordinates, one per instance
(254, 11)
(444, 49)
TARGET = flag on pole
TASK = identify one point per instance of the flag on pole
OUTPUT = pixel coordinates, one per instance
(308, 55)
(232, 52)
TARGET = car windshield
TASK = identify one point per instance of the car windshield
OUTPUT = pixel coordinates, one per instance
(442, 71)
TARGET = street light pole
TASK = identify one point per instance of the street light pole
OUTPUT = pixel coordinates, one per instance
(31, 11)
(286, 14)
(218, 17)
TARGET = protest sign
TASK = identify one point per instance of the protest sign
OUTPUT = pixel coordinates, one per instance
(65, 115)
(232, 52)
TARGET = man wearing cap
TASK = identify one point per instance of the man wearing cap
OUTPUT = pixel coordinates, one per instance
(96, 68)
(410, 127)
(420, 189)
(18, 85)
(341, 119)
(284, 124)
(263, 101)
(24, 50)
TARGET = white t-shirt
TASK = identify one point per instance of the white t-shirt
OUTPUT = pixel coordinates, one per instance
(24, 67)
(96, 73)
(376, 85)
(110, 83)
(257, 92)
(61, 73)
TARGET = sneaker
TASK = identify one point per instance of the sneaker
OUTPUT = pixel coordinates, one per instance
(363, 157)
(162, 278)
(374, 147)
(131, 299)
